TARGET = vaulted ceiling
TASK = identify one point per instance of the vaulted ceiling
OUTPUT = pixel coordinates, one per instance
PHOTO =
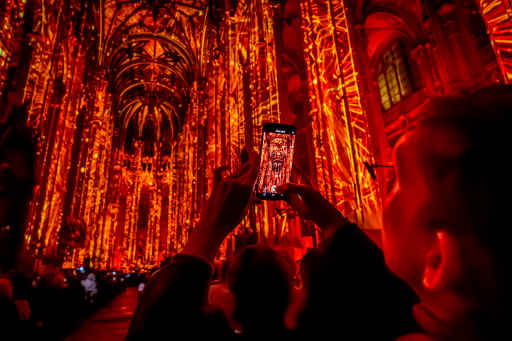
(151, 50)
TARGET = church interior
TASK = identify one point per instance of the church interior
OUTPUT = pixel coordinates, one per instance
(133, 104)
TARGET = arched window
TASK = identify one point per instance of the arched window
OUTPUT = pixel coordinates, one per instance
(393, 76)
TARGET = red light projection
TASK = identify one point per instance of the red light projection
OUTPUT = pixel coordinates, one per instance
(497, 15)
(339, 122)
(136, 103)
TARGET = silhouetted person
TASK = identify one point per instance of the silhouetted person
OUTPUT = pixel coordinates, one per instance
(260, 282)
(441, 235)
(349, 290)
(444, 220)
(219, 295)
(300, 290)
(17, 163)
(17, 179)
(174, 301)
(440, 232)
(246, 237)
(353, 276)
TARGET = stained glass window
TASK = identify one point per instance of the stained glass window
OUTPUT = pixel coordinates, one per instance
(393, 76)
(384, 93)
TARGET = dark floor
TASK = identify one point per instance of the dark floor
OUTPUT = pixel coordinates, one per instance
(109, 323)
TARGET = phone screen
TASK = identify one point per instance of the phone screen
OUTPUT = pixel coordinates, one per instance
(276, 160)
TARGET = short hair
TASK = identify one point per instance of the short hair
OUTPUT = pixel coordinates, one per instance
(260, 281)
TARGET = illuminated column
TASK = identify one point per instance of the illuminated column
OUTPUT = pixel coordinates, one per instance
(339, 124)
(96, 159)
(497, 15)
(16, 18)
(221, 120)
(37, 90)
(57, 117)
(54, 91)
(60, 148)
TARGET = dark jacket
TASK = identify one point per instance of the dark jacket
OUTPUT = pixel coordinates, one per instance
(353, 295)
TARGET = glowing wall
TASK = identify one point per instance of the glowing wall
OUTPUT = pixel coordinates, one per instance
(97, 67)
(497, 15)
(341, 137)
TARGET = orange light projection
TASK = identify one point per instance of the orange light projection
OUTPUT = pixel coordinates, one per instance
(11, 18)
(339, 124)
(497, 15)
(135, 103)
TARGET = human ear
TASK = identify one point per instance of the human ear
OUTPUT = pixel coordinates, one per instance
(442, 262)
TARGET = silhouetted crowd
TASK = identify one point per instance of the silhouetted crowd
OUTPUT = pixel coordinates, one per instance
(439, 274)
(51, 306)
(49, 303)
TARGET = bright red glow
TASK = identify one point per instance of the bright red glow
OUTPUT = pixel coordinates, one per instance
(135, 103)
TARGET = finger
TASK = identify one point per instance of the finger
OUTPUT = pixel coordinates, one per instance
(251, 168)
(217, 174)
(245, 163)
(308, 193)
(254, 199)
(301, 198)
(315, 206)
(296, 202)
(249, 171)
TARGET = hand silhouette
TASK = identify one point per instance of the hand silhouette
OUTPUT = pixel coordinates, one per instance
(226, 207)
(311, 205)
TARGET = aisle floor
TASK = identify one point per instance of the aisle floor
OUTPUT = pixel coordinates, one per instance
(110, 323)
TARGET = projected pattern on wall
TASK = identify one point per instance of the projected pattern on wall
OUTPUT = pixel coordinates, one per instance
(341, 136)
(135, 103)
(497, 15)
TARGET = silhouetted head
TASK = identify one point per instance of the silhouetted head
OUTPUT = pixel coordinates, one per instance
(445, 217)
(260, 281)
(17, 179)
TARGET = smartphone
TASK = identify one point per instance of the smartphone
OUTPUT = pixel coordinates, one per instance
(276, 160)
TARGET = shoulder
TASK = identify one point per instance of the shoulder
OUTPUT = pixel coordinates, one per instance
(348, 242)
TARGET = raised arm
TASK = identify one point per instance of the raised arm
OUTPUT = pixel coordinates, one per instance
(173, 302)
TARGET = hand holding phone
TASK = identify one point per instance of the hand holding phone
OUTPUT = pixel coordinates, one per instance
(311, 205)
(276, 160)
